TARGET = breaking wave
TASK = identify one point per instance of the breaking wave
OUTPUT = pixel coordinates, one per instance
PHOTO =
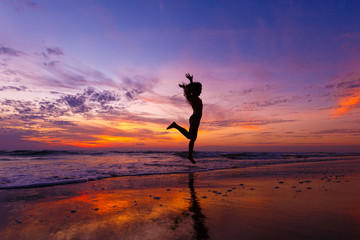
(25, 169)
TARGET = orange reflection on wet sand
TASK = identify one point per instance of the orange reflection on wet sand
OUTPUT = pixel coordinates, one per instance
(118, 212)
(266, 202)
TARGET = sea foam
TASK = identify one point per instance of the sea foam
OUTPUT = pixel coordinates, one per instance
(24, 169)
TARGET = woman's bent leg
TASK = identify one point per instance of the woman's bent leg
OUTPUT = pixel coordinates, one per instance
(180, 129)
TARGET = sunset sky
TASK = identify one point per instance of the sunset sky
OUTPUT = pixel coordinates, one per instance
(276, 75)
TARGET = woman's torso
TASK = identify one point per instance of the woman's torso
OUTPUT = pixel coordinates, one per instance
(197, 107)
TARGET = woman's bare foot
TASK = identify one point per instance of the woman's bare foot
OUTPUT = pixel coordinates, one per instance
(191, 159)
(171, 125)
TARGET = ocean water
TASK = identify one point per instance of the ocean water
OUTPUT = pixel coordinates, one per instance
(24, 169)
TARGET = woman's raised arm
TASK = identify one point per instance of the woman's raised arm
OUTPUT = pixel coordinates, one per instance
(190, 77)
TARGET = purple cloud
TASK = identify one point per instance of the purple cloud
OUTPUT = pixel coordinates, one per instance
(345, 84)
(54, 51)
(91, 99)
(268, 103)
(63, 123)
(104, 97)
(19, 88)
(339, 131)
(51, 63)
(52, 108)
(248, 91)
(11, 139)
(76, 103)
(72, 77)
(137, 85)
(235, 122)
(10, 51)
(82, 103)
(19, 5)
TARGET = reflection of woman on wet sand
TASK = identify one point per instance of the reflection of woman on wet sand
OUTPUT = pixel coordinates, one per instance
(192, 92)
(200, 229)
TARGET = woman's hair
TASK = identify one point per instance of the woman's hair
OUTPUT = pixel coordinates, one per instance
(191, 90)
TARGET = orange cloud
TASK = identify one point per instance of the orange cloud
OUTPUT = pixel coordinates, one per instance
(252, 127)
(347, 103)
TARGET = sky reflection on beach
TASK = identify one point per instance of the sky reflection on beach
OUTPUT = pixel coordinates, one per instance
(141, 214)
(185, 206)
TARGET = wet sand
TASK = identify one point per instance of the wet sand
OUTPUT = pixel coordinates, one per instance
(290, 201)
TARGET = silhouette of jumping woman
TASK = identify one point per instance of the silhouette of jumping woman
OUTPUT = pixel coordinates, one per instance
(192, 92)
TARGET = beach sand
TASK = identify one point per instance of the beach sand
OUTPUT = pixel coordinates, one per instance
(289, 201)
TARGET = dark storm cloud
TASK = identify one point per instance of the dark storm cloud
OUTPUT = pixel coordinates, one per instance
(10, 51)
